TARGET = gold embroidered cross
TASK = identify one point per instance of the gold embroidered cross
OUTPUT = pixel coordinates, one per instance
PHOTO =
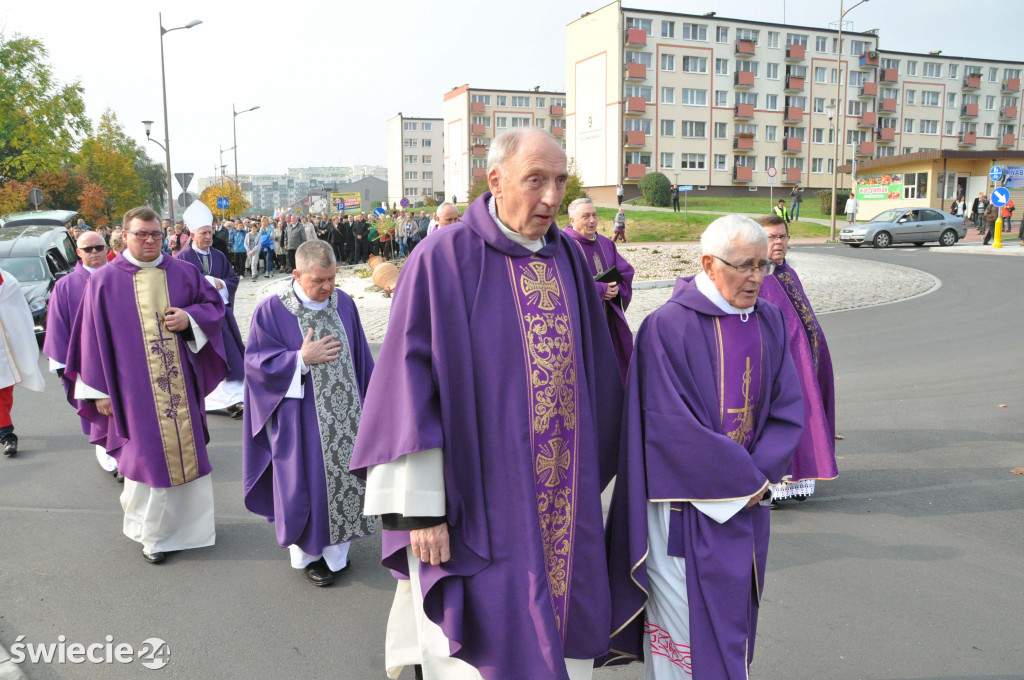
(539, 286)
(554, 460)
(745, 415)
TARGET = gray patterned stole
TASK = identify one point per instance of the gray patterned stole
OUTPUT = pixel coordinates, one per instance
(338, 409)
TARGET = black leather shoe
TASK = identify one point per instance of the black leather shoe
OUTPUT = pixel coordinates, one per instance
(10, 444)
(319, 574)
(235, 410)
(154, 557)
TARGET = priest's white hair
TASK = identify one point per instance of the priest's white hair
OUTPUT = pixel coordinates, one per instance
(720, 236)
(577, 204)
(507, 144)
(314, 254)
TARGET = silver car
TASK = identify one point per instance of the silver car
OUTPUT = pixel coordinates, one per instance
(906, 225)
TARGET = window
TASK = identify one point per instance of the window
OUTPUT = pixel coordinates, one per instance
(796, 39)
(856, 136)
(722, 34)
(1003, 101)
(412, 143)
(746, 128)
(854, 108)
(719, 160)
(540, 122)
(746, 162)
(911, 97)
(721, 130)
(408, 125)
(908, 125)
(639, 157)
(773, 40)
(929, 127)
(520, 121)
(412, 191)
(695, 32)
(692, 161)
(1007, 129)
(412, 175)
(751, 34)
(988, 130)
(949, 127)
(859, 47)
(799, 102)
(770, 162)
(929, 98)
(915, 185)
(479, 163)
(892, 93)
(540, 102)
(411, 159)
(721, 67)
(643, 24)
(668, 62)
(500, 122)
(484, 99)
(746, 98)
(888, 62)
(953, 71)
(1011, 73)
(908, 149)
(695, 64)
(771, 133)
(772, 71)
(501, 100)
(692, 128)
(668, 127)
(426, 143)
(771, 102)
(819, 74)
(855, 78)
(668, 95)
(427, 160)
(818, 135)
(886, 151)
(645, 58)
(951, 100)
(747, 66)
(557, 101)
(993, 74)
(428, 177)
(821, 44)
(641, 124)
(819, 105)
(668, 161)
(668, 29)
(912, 68)
(931, 70)
(817, 165)
(482, 120)
(692, 97)
(829, 166)
(721, 98)
(640, 91)
(520, 102)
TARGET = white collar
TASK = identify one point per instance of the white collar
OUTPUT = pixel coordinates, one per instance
(201, 252)
(143, 265)
(89, 269)
(707, 287)
(306, 301)
(515, 237)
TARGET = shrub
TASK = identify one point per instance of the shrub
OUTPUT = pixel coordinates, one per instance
(825, 200)
(573, 187)
(657, 190)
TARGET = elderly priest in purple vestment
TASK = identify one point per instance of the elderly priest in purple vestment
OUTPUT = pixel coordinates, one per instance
(613, 276)
(145, 350)
(214, 265)
(489, 482)
(713, 413)
(307, 366)
(815, 457)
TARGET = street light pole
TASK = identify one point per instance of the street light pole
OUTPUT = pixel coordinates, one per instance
(840, 112)
(167, 134)
(234, 132)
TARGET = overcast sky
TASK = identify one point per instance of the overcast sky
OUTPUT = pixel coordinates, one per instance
(327, 75)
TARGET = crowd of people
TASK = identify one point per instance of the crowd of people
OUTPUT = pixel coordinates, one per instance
(524, 396)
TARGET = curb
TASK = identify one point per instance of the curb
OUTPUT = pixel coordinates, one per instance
(8, 669)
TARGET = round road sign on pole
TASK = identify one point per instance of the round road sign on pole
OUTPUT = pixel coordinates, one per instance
(380, 212)
(223, 202)
(1000, 197)
(404, 203)
(772, 171)
(996, 173)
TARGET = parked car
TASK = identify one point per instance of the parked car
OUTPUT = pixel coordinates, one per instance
(906, 225)
(37, 256)
(54, 218)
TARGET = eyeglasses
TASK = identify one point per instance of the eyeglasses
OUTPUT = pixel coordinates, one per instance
(766, 268)
(783, 237)
(93, 249)
(147, 235)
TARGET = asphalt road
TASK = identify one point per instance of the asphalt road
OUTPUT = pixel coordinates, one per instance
(908, 566)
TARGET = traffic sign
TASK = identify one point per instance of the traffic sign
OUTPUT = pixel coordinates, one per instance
(185, 199)
(35, 197)
(184, 178)
(1000, 197)
(223, 203)
(380, 212)
(772, 179)
(686, 187)
(404, 203)
(772, 171)
(996, 173)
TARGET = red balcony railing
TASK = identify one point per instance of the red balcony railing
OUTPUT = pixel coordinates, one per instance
(636, 138)
(636, 171)
(744, 79)
(636, 71)
(792, 145)
(744, 111)
(743, 143)
(636, 37)
(795, 52)
(742, 173)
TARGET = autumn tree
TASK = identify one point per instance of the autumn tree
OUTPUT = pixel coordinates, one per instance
(226, 188)
(92, 205)
(107, 159)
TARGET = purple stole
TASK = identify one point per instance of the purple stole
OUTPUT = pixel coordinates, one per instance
(795, 292)
(740, 361)
(549, 348)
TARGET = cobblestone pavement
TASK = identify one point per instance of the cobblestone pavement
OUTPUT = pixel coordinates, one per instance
(833, 284)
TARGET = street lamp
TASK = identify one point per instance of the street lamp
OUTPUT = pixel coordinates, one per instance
(234, 132)
(838, 109)
(222, 166)
(163, 80)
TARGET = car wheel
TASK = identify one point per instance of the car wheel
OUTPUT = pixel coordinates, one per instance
(853, 245)
(882, 239)
(948, 238)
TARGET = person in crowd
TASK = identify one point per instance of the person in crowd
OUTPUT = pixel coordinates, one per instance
(238, 250)
(253, 249)
(447, 214)
(851, 209)
(795, 199)
(360, 231)
(619, 226)
(781, 211)
(178, 240)
(620, 192)
(116, 245)
(990, 215)
(294, 236)
(978, 211)
(19, 356)
(675, 198)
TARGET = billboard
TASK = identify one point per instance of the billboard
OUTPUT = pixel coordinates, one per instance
(348, 202)
(1014, 176)
(879, 187)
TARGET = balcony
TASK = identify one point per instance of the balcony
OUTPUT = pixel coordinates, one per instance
(868, 89)
(792, 145)
(1011, 85)
(888, 75)
(636, 138)
(795, 52)
(886, 135)
(636, 171)
(742, 173)
(478, 129)
(745, 48)
(794, 115)
(744, 111)
(636, 72)
(636, 37)
(866, 149)
(479, 172)
(477, 107)
(868, 119)
(558, 130)
(557, 110)
(1007, 141)
(635, 106)
(743, 143)
(969, 111)
(887, 106)
(972, 81)
(792, 175)
(968, 138)
(479, 150)
(869, 60)
(1008, 113)
(794, 84)
(744, 79)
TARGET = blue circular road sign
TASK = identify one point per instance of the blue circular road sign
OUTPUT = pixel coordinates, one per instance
(1000, 197)
(223, 203)
(380, 212)
(404, 203)
(996, 173)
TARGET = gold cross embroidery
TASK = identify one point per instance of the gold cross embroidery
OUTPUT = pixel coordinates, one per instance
(554, 460)
(539, 289)
(745, 415)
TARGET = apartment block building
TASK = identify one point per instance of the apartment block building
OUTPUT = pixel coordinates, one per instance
(415, 147)
(473, 117)
(717, 103)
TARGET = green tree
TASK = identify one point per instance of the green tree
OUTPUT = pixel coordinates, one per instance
(108, 159)
(573, 187)
(657, 190)
(477, 189)
(41, 120)
(237, 203)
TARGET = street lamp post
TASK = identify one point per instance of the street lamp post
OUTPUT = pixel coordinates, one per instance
(234, 132)
(163, 80)
(839, 112)
(222, 166)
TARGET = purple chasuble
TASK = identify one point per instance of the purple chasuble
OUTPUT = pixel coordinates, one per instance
(284, 469)
(156, 384)
(815, 458)
(702, 425)
(216, 264)
(601, 255)
(493, 355)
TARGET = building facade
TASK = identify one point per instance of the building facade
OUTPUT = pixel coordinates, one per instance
(473, 117)
(269, 193)
(415, 147)
(724, 104)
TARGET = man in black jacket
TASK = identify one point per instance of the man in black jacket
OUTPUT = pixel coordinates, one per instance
(362, 245)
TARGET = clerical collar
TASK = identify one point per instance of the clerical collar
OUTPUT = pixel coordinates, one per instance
(307, 301)
(199, 250)
(143, 265)
(515, 237)
(707, 287)
(89, 269)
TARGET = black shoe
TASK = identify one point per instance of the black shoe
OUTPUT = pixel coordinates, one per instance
(118, 476)
(154, 557)
(235, 410)
(319, 574)
(10, 444)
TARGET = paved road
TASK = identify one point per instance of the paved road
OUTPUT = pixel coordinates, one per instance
(908, 566)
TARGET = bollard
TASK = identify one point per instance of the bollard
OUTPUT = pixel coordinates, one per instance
(998, 241)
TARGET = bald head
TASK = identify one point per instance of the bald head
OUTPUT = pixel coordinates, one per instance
(526, 173)
(92, 249)
(90, 238)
